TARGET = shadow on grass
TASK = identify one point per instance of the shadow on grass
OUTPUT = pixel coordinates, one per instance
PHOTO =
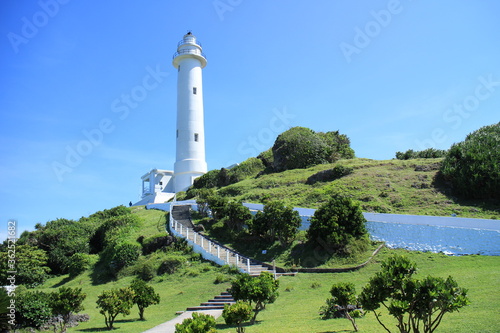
(105, 329)
(245, 325)
(62, 282)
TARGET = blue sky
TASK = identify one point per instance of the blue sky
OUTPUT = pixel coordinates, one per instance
(88, 92)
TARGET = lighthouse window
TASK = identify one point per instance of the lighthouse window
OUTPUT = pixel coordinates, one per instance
(179, 68)
(177, 134)
(194, 90)
(196, 137)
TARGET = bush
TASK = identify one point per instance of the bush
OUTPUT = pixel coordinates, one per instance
(30, 265)
(80, 262)
(157, 242)
(199, 323)
(427, 153)
(237, 314)
(123, 255)
(472, 166)
(171, 264)
(146, 271)
(336, 223)
(329, 175)
(32, 308)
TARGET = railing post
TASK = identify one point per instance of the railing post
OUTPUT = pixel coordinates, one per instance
(187, 233)
(227, 256)
(210, 247)
(218, 251)
(194, 238)
(274, 269)
(237, 259)
(248, 265)
(202, 243)
(180, 229)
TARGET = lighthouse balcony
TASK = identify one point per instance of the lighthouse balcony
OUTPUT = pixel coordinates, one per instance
(189, 51)
(189, 40)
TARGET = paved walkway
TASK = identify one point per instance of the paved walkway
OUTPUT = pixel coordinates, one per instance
(169, 326)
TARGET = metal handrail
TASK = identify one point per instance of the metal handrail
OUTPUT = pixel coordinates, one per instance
(189, 51)
(184, 42)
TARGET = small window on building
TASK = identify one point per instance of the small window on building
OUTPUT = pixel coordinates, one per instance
(194, 90)
(196, 137)
(161, 183)
(179, 68)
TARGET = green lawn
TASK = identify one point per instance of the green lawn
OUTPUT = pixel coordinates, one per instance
(296, 310)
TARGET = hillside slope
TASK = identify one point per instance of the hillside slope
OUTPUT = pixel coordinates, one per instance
(391, 186)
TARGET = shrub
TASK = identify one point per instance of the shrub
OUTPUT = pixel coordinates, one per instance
(157, 242)
(276, 221)
(343, 301)
(472, 166)
(144, 296)
(199, 323)
(427, 153)
(32, 308)
(80, 262)
(146, 271)
(65, 302)
(114, 302)
(30, 265)
(336, 223)
(171, 264)
(123, 255)
(237, 314)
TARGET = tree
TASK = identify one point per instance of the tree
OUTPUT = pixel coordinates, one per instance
(259, 290)
(65, 302)
(29, 262)
(339, 145)
(299, 147)
(336, 223)
(237, 314)
(236, 215)
(32, 308)
(199, 323)
(343, 296)
(417, 305)
(113, 302)
(277, 221)
(144, 296)
(472, 166)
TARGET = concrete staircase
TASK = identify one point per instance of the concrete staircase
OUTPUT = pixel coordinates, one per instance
(217, 303)
(181, 226)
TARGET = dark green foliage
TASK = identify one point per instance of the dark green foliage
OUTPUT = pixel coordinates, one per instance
(144, 296)
(276, 221)
(417, 305)
(171, 264)
(224, 177)
(217, 205)
(236, 215)
(113, 212)
(28, 261)
(237, 314)
(258, 291)
(123, 255)
(157, 242)
(111, 230)
(336, 223)
(114, 302)
(80, 262)
(343, 302)
(267, 158)
(202, 196)
(32, 308)
(60, 239)
(329, 175)
(199, 323)
(427, 153)
(146, 271)
(473, 166)
(339, 145)
(5, 315)
(65, 302)
(301, 147)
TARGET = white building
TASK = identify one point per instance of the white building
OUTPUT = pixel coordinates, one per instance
(161, 185)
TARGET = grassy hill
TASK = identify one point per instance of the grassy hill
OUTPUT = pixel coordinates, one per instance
(391, 186)
(300, 296)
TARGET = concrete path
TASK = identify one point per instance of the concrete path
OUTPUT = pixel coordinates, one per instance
(169, 326)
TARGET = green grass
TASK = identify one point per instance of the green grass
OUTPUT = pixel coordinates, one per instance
(391, 186)
(296, 310)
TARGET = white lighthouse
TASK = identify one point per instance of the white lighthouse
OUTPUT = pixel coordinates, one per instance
(190, 134)
(160, 185)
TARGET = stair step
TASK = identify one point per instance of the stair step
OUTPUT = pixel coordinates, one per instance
(209, 303)
(221, 297)
(198, 308)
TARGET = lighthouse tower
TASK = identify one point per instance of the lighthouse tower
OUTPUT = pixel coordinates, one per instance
(190, 135)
